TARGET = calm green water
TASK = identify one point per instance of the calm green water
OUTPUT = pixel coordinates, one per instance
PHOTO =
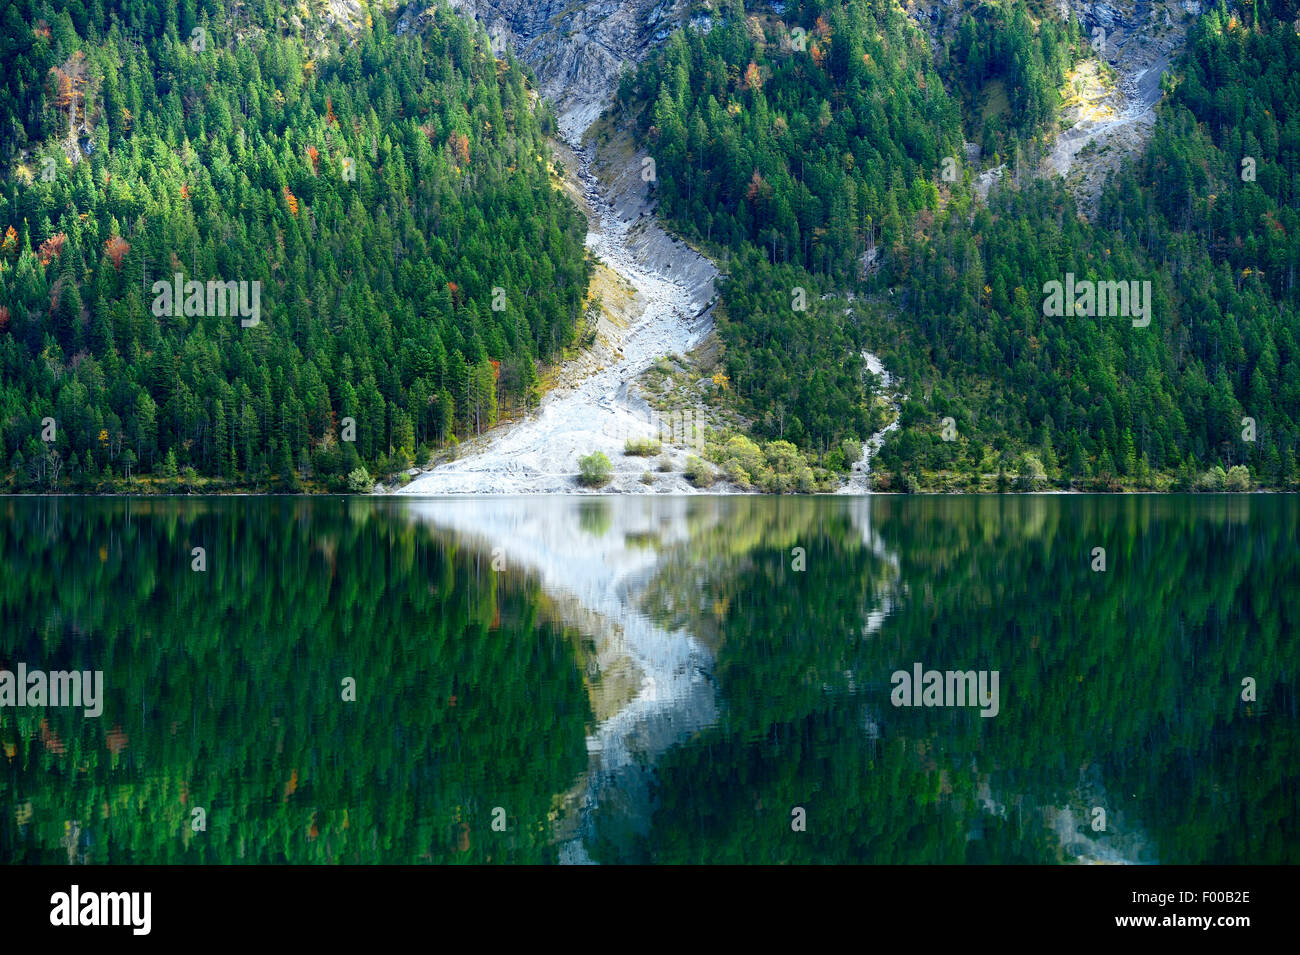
(651, 679)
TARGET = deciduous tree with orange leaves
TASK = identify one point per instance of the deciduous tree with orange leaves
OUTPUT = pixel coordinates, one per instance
(459, 144)
(51, 248)
(116, 248)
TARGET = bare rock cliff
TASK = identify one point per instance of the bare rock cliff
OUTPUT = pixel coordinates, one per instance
(576, 48)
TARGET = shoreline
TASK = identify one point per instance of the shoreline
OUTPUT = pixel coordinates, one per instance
(579, 492)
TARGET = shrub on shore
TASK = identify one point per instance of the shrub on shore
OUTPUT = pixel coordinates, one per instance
(595, 470)
(360, 481)
(698, 472)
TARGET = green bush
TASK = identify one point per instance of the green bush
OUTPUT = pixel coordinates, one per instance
(698, 472)
(774, 482)
(360, 481)
(745, 452)
(735, 473)
(641, 447)
(1215, 479)
(783, 456)
(1033, 475)
(595, 469)
(1238, 478)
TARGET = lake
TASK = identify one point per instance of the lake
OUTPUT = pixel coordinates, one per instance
(654, 679)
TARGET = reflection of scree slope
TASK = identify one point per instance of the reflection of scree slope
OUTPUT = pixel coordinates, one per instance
(595, 560)
(596, 574)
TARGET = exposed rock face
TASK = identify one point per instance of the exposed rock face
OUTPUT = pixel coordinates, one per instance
(656, 291)
(1108, 123)
(1140, 39)
(1107, 115)
(577, 49)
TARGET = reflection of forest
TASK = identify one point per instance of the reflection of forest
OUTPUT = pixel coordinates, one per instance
(734, 687)
(1121, 689)
(223, 688)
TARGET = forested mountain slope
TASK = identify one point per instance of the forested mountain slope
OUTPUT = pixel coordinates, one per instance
(810, 149)
(800, 153)
(374, 183)
(383, 190)
(1208, 216)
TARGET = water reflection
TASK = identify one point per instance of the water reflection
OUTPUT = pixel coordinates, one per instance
(653, 679)
(653, 683)
(225, 688)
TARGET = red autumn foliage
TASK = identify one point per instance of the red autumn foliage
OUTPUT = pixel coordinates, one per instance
(291, 786)
(459, 144)
(51, 739)
(4, 319)
(292, 200)
(51, 248)
(66, 90)
(117, 248)
(116, 740)
(69, 79)
(313, 156)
